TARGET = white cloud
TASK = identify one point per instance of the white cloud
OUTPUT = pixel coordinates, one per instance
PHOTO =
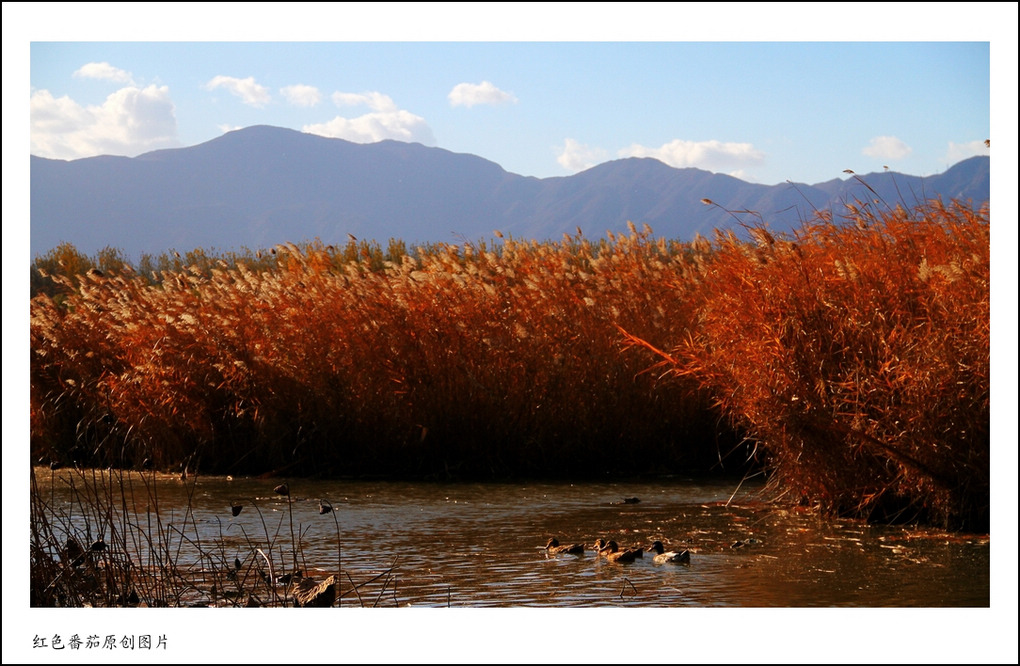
(743, 175)
(961, 151)
(371, 127)
(373, 100)
(54, 116)
(887, 148)
(710, 155)
(577, 157)
(250, 92)
(385, 121)
(469, 94)
(103, 70)
(131, 121)
(301, 95)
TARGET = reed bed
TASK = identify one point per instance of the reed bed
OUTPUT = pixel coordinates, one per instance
(104, 539)
(854, 352)
(452, 360)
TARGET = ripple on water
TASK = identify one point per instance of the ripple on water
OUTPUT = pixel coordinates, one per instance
(482, 544)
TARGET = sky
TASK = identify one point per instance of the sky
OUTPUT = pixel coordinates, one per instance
(767, 92)
(765, 112)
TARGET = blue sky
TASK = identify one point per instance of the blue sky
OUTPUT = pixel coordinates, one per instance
(836, 86)
(766, 112)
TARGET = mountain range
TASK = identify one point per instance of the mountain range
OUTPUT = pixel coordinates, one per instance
(259, 186)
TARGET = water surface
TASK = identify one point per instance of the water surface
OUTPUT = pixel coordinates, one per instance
(482, 544)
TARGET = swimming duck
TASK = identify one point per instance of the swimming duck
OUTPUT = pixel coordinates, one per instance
(73, 553)
(553, 546)
(662, 555)
(286, 579)
(603, 547)
(614, 554)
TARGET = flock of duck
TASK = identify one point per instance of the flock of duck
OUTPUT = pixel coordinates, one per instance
(613, 553)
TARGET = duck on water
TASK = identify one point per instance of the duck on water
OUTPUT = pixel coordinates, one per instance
(611, 551)
(553, 546)
(663, 556)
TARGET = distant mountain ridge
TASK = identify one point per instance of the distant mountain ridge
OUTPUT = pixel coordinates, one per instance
(260, 186)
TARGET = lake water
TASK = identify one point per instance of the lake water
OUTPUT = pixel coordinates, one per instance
(482, 544)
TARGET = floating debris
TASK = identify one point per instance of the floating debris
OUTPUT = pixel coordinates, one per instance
(316, 595)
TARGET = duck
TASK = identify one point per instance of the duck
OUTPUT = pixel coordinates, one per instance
(602, 547)
(553, 546)
(73, 553)
(613, 553)
(286, 579)
(662, 555)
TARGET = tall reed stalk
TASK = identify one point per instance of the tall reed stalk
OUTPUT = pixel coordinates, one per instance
(97, 541)
(857, 353)
(453, 360)
(854, 351)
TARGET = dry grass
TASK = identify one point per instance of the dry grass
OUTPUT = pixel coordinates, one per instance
(104, 539)
(453, 360)
(855, 351)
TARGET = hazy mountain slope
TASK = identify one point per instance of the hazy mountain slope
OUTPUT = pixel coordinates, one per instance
(263, 185)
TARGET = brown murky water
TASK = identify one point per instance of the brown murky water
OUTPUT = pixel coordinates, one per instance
(481, 544)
